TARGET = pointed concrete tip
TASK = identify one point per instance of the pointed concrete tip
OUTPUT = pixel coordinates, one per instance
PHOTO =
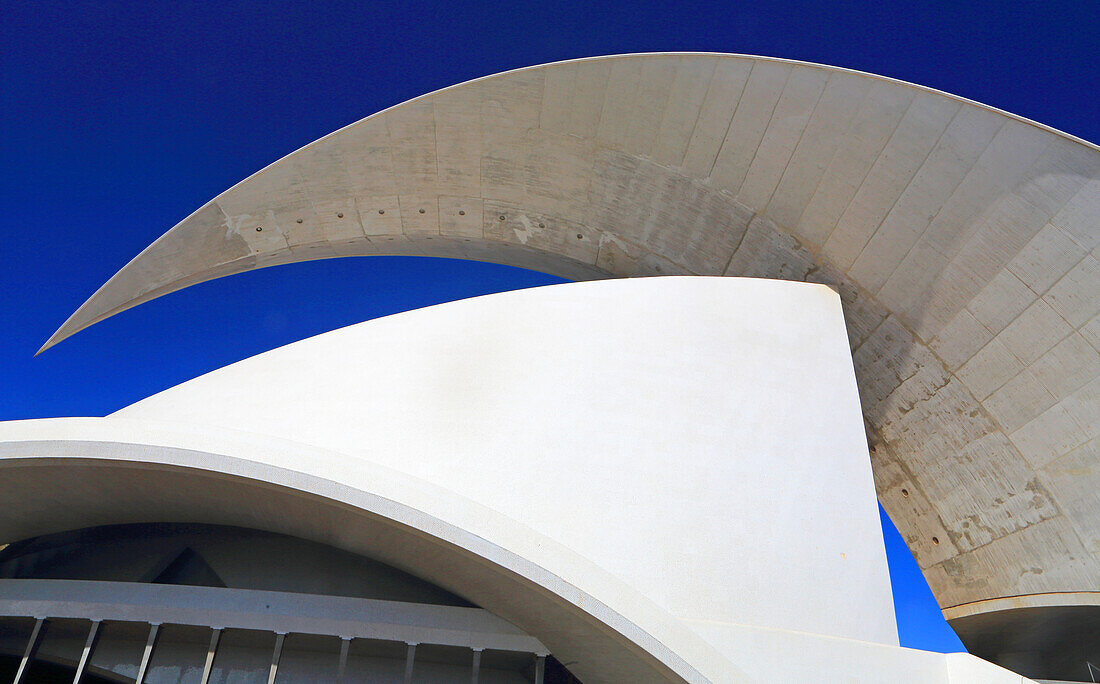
(58, 336)
(88, 313)
(65, 331)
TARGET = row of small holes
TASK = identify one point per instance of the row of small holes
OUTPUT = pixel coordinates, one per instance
(460, 213)
(541, 225)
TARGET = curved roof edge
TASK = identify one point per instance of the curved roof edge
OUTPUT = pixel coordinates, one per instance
(396, 528)
(1047, 600)
(962, 241)
(71, 327)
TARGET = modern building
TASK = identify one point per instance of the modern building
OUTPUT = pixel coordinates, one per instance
(638, 479)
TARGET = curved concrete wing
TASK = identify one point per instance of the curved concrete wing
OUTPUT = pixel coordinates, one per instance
(963, 241)
(650, 507)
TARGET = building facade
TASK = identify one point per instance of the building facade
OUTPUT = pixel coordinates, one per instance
(659, 479)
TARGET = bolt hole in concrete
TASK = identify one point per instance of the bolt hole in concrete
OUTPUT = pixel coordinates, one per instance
(502, 217)
(905, 492)
(421, 211)
(299, 220)
(259, 228)
(381, 211)
(935, 541)
(339, 216)
(579, 236)
(461, 213)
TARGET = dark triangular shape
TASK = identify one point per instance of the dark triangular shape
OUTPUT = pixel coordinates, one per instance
(189, 568)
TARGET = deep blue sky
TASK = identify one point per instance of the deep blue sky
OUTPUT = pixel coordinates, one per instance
(120, 119)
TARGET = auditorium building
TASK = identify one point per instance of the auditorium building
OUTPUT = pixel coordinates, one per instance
(801, 291)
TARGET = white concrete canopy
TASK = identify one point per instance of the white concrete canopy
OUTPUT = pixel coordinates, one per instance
(634, 501)
(964, 242)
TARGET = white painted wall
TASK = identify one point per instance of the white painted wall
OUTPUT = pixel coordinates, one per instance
(698, 438)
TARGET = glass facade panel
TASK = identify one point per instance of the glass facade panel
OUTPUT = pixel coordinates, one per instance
(59, 650)
(309, 658)
(509, 667)
(118, 649)
(244, 657)
(376, 661)
(14, 633)
(179, 655)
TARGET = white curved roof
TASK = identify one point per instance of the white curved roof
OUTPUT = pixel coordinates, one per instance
(627, 500)
(119, 471)
(963, 241)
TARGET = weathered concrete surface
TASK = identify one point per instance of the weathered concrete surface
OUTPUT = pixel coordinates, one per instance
(964, 242)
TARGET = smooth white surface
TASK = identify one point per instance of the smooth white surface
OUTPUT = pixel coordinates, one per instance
(61, 474)
(785, 656)
(699, 438)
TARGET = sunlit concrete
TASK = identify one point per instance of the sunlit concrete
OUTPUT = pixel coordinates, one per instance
(963, 241)
(659, 480)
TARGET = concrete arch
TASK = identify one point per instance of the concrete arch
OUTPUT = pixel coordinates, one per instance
(117, 471)
(962, 239)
